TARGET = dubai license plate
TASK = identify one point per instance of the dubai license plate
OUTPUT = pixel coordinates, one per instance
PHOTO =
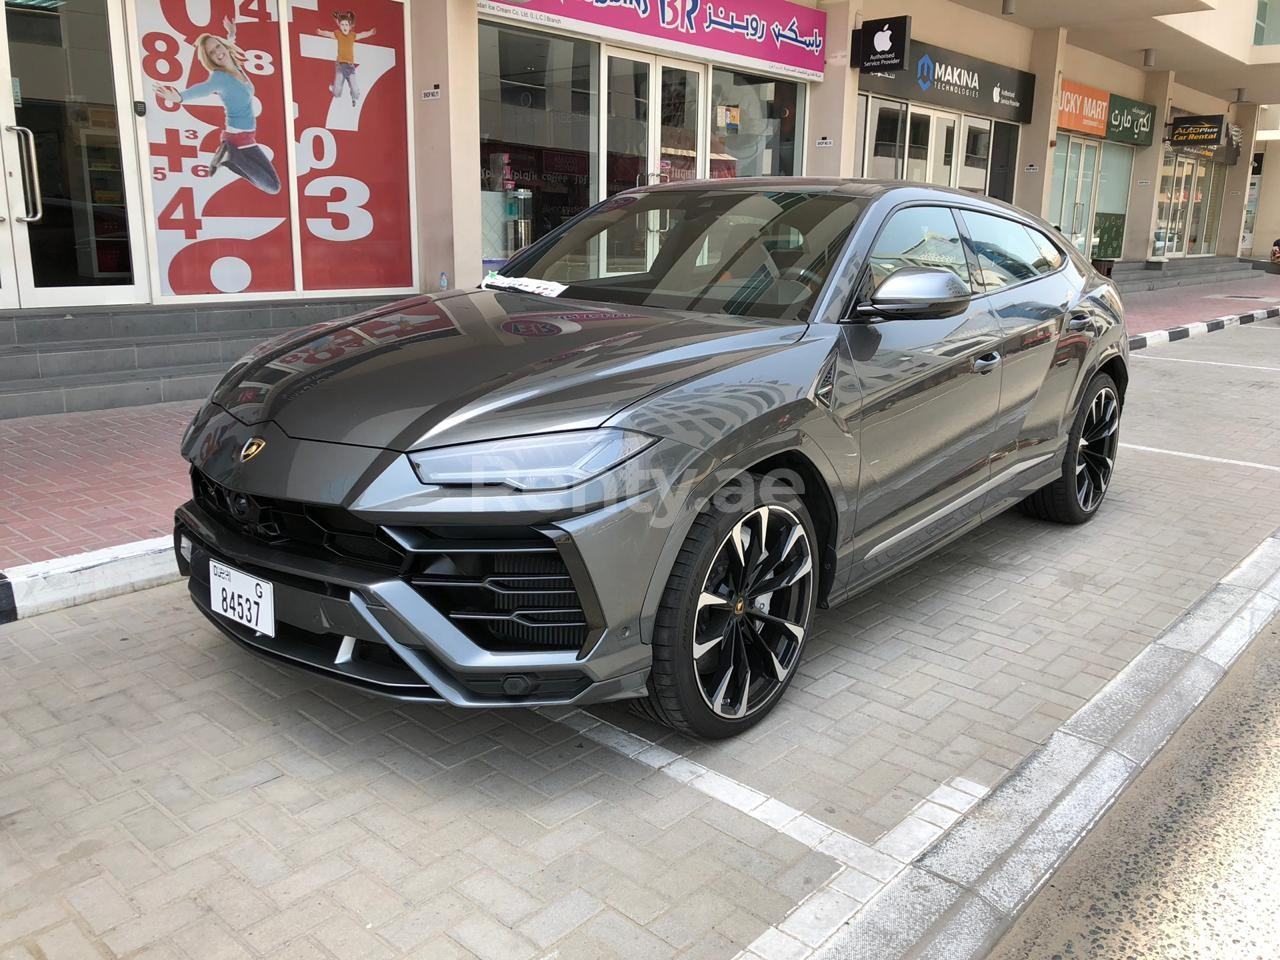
(244, 599)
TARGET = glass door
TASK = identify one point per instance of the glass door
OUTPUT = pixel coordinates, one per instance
(655, 127)
(931, 147)
(654, 132)
(72, 229)
(1075, 192)
(680, 133)
(627, 133)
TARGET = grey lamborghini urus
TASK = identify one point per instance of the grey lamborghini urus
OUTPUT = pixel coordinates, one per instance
(635, 460)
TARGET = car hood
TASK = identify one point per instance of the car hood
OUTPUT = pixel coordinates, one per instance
(462, 367)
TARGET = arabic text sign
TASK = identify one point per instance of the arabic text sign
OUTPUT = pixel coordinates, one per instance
(1083, 108)
(776, 34)
(1131, 121)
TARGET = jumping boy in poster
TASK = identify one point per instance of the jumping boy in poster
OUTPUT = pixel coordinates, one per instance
(239, 151)
(344, 68)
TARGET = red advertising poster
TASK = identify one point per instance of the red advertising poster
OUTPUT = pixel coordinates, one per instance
(217, 145)
(351, 131)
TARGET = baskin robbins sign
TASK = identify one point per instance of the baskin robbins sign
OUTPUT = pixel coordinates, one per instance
(773, 35)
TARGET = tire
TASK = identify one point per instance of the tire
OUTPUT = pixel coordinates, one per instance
(1063, 501)
(741, 668)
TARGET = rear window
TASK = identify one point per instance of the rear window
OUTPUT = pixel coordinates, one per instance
(1007, 252)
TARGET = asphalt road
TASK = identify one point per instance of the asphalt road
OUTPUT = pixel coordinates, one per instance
(1187, 862)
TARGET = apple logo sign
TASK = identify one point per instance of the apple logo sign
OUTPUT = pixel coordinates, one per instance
(995, 93)
(883, 40)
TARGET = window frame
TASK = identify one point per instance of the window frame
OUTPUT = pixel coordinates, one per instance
(856, 292)
(964, 227)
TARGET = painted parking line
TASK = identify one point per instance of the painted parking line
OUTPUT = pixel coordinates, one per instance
(1199, 456)
(1043, 810)
(1208, 363)
(960, 895)
(874, 863)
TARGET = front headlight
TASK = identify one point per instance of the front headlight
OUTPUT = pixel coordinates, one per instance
(553, 461)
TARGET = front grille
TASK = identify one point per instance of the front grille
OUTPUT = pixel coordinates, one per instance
(509, 594)
(323, 532)
(506, 589)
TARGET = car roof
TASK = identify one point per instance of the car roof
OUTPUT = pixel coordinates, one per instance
(903, 190)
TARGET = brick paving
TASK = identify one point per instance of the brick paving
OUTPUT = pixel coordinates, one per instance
(1178, 306)
(165, 795)
(80, 481)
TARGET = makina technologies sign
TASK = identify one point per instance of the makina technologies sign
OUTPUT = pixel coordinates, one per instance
(950, 79)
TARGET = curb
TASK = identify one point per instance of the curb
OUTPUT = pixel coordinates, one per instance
(1140, 341)
(959, 897)
(66, 581)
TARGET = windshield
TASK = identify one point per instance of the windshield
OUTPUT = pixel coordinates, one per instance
(745, 253)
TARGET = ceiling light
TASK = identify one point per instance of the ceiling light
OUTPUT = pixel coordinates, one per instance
(1148, 57)
(1009, 8)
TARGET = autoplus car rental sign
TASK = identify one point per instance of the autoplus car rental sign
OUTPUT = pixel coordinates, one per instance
(945, 78)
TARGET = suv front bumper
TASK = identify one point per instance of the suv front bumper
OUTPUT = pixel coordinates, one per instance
(373, 630)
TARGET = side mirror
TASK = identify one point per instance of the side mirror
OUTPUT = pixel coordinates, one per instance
(916, 293)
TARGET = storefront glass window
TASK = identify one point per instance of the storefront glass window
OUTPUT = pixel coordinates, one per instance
(539, 133)
(63, 92)
(917, 168)
(1213, 215)
(1199, 226)
(860, 138)
(755, 125)
(1058, 183)
(1113, 200)
(627, 159)
(886, 129)
(977, 155)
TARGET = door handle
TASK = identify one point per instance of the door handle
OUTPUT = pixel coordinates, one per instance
(986, 363)
(1079, 321)
(31, 175)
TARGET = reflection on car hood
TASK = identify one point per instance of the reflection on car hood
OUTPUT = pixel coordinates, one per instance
(472, 366)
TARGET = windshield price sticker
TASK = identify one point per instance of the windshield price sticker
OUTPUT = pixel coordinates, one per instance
(543, 288)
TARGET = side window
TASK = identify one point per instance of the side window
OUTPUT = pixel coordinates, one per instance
(1006, 252)
(918, 237)
(1050, 255)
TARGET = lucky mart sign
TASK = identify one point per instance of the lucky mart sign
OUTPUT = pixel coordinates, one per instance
(1095, 112)
(1083, 109)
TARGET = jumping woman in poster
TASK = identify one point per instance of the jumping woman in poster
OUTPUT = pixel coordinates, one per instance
(344, 68)
(239, 151)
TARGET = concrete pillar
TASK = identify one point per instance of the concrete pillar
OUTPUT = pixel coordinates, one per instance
(1031, 191)
(1144, 190)
(1244, 116)
(446, 132)
(833, 106)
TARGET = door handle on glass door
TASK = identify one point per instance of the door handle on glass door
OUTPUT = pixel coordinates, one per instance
(31, 175)
(986, 363)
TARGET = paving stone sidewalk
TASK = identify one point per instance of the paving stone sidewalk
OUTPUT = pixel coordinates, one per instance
(165, 795)
(74, 482)
(1179, 306)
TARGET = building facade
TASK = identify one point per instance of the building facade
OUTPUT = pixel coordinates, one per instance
(166, 154)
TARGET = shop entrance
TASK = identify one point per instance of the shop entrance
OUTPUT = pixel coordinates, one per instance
(1071, 210)
(70, 232)
(655, 121)
(1191, 195)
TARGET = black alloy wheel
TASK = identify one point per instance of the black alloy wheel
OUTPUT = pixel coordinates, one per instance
(735, 614)
(753, 612)
(1096, 449)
